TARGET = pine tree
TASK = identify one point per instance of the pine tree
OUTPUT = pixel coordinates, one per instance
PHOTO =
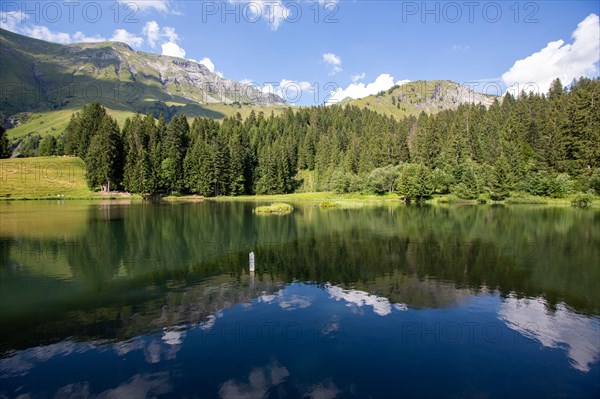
(5, 151)
(104, 156)
(82, 128)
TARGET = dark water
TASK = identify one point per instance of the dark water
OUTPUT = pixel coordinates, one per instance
(155, 300)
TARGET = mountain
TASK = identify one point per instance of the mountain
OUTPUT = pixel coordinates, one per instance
(429, 96)
(39, 76)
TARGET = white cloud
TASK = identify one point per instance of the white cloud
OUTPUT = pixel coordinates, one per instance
(289, 90)
(172, 49)
(11, 20)
(360, 90)
(169, 33)
(207, 62)
(43, 33)
(274, 12)
(154, 33)
(357, 77)
(121, 35)
(80, 37)
(15, 22)
(559, 59)
(402, 82)
(332, 59)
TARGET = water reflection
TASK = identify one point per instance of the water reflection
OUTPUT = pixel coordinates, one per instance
(561, 328)
(155, 288)
(298, 366)
(380, 305)
(260, 381)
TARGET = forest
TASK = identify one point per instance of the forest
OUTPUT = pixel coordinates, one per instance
(541, 144)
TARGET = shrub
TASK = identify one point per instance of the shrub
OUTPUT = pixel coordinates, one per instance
(595, 181)
(561, 186)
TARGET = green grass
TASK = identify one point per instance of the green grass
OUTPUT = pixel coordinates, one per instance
(43, 178)
(54, 122)
(274, 209)
(311, 197)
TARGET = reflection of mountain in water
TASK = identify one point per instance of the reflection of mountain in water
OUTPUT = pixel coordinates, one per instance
(138, 267)
(555, 328)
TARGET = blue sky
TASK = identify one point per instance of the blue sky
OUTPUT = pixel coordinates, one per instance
(352, 47)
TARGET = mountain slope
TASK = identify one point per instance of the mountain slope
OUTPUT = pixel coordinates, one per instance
(421, 96)
(38, 76)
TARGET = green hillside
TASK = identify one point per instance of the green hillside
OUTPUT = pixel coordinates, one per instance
(43, 83)
(413, 98)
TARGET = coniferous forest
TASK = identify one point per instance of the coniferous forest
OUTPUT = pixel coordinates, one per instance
(545, 145)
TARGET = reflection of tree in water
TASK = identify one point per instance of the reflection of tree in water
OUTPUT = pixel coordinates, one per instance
(147, 265)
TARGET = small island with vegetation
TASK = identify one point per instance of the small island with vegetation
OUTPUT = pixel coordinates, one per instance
(274, 209)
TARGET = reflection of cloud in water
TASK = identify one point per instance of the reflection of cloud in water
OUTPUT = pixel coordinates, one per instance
(325, 390)
(260, 381)
(555, 329)
(173, 337)
(124, 347)
(25, 360)
(159, 350)
(139, 386)
(381, 305)
(210, 322)
(286, 301)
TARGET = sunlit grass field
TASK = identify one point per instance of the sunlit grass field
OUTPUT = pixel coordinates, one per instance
(43, 177)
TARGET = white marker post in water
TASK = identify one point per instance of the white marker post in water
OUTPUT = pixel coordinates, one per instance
(251, 261)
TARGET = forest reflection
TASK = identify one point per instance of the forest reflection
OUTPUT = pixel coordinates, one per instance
(114, 271)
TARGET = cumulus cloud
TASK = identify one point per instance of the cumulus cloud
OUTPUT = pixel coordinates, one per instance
(290, 90)
(154, 33)
(11, 20)
(80, 37)
(566, 61)
(334, 62)
(207, 62)
(360, 90)
(332, 59)
(121, 35)
(172, 49)
(43, 33)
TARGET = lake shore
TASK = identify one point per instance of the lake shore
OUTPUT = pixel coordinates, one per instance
(324, 199)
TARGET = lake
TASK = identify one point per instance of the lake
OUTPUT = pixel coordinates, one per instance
(109, 299)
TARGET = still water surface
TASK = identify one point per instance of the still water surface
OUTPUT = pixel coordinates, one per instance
(156, 300)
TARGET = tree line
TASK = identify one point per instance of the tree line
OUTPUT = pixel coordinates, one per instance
(543, 144)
